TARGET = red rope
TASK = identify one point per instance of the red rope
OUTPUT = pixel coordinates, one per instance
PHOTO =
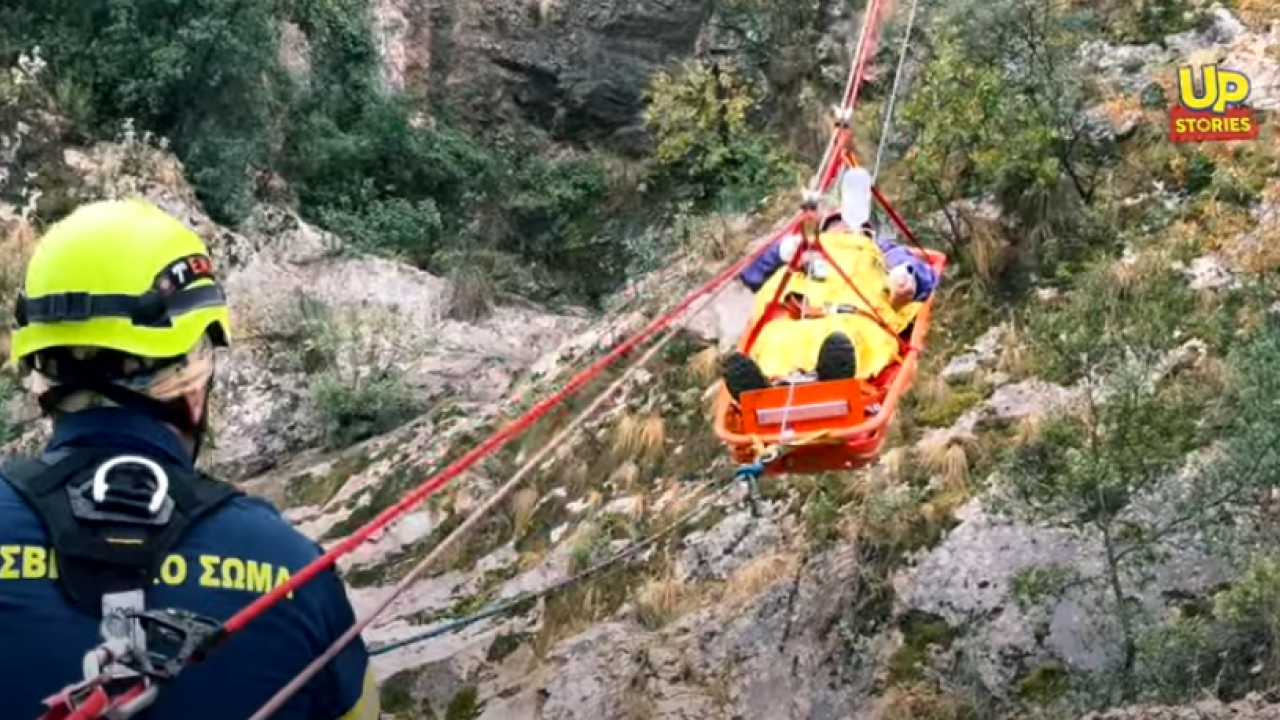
(875, 314)
(513, 429)
(868, 39)
(495, 442)
(868, 42)
(434, 484)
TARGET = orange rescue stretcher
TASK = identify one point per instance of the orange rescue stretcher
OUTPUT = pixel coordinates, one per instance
(830, 426)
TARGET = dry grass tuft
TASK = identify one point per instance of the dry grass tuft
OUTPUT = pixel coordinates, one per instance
(705, 364)
(1013, 356)
(933, 391)
(547, 10)
(664, 598)
(1127, 276)
(988, 248)
(949, 459)
(922, 701)
(1258, 13)
(17, 241)
(638, 438)
(1029, 430)
(759, 574)
(1118, 109)
(522, 505)
(896, 463)
(625, 475)
(472, 295)
(529, 560)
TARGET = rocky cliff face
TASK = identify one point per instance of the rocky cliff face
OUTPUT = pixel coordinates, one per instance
(789, 615)
(575, 69)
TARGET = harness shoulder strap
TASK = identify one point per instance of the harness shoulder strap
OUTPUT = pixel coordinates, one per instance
(112, 518)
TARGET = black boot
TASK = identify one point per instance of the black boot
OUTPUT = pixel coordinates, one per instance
(741, 374)
(837, 359)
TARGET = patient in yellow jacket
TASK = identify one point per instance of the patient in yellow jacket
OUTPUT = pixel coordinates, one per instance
(840, 335)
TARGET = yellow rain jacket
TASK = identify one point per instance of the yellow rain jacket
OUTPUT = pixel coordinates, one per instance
(787, 346)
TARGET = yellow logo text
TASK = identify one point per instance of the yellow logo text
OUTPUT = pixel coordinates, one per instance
(1218, 89)
(33, 562)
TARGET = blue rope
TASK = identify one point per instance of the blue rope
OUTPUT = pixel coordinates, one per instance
(451, 626)
(748, 473)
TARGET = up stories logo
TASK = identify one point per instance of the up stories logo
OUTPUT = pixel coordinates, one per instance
(1213, 112)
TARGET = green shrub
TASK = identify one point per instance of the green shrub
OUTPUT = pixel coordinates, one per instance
(354, 411)
(1111, 313)
(709, 146)
(207, 77)
(1140, 22)
(998, 112)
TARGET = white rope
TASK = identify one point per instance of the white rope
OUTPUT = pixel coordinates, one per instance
(893, 90)
(277, 701)
(786, 431)
(846, 107)
(852, 80)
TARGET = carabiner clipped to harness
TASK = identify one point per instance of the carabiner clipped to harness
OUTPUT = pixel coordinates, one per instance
(752, 472)
(173, 639)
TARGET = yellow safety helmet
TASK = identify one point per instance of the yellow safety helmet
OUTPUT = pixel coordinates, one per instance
(119, 275)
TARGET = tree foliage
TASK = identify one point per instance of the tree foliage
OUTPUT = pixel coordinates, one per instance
(998, 112)
(708, 142)
(207, 77)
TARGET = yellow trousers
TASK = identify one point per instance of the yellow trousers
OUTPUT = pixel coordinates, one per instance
(786, 346)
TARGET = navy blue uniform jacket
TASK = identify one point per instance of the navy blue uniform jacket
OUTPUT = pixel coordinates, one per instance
(225, 562)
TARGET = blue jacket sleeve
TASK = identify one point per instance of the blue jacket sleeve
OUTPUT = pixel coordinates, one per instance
(896, 254)
(760, 269)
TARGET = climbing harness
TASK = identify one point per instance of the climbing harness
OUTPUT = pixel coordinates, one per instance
(112, 519)
(186, 638)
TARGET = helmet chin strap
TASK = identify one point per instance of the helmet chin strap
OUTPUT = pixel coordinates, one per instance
(200, 428)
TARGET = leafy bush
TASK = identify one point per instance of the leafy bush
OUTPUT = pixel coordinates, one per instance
(708, 145)
(998, 112)
(1140, 22)
(553, 218)
(356, 411)
(1112, 313)
(1110, 467)
(203, 74)
(207, 77)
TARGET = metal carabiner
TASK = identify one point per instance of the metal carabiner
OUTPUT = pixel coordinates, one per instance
(770, 454)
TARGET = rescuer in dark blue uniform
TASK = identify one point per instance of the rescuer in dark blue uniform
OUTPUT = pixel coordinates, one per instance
(117, 326)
